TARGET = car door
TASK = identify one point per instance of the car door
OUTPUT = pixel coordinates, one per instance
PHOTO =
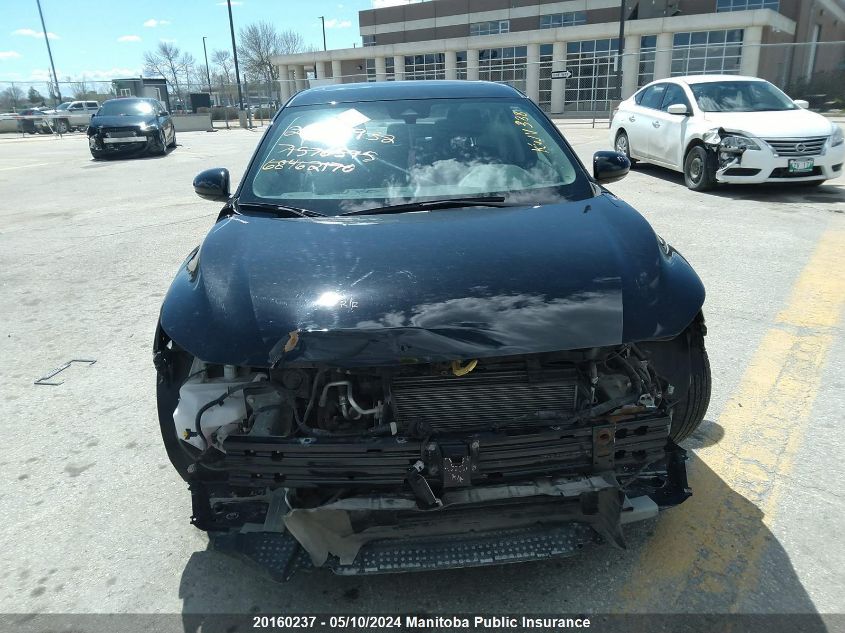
(639, 121)
(91, 107)
(76, 113)
(666, 141)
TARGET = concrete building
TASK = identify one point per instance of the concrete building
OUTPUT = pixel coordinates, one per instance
(564, 55)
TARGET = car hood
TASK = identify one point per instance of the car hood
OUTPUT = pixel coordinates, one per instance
(117, 120)
(787, 124)
(426, 287)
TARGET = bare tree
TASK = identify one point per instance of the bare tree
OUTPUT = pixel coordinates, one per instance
(291, 42)
(10, 98)
(168, 61)
(80, 89)
(223, 64)
(259, 43)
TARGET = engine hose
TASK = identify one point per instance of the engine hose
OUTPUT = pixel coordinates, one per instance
(592, 412)
(219, 402)
(636, 380)
(381, 429)
(302, 423)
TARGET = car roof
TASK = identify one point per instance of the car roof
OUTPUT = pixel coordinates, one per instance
(394, 90)
(125, 99)
(706, 79)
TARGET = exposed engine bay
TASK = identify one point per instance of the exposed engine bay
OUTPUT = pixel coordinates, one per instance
(349, 460)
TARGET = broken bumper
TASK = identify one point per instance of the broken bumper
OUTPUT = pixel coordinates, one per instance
(400, 538)
(542, 518)
(764, 166)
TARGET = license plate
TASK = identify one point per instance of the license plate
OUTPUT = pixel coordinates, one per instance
(129, 139)
(802, 165)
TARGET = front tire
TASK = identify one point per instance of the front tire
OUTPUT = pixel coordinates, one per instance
(160, 146)
(173, 142)
(623, 146)
(689, 411)
(62, 126)
(699, 174)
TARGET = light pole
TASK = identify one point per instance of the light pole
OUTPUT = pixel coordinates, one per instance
(49, 52)
(621, 48)
(235, 53)
(207, 74)
(323, 20)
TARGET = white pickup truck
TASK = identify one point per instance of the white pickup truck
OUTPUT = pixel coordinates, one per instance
(72, 115)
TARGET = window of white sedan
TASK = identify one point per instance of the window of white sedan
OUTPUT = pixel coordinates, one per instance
(741, 96)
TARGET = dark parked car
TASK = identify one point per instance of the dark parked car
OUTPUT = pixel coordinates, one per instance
(421, 334)
(31, 124)
(131, 126)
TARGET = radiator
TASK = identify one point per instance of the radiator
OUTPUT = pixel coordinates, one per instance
(482, 398)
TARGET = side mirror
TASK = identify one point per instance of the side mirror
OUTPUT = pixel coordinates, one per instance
(678, 108)
(164, 113)
(610, 166)
(801, 103)
(213, 184)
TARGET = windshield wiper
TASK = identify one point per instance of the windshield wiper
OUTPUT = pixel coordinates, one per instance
(281, 209)
(422, 205)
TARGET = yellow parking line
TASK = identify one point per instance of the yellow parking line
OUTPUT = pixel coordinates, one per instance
(705, 554)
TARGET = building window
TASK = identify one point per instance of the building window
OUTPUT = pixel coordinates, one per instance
(368, 40)
(427, 66)
(490, 28)
(747, 5)
(503, 65)
(648, 48)
(461, 64)
(593, 81)
(546, 53)
(562, 19)
(706, 52)
(125, 92)
(389, 69)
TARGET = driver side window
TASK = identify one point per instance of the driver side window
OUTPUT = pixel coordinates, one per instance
(674, 94)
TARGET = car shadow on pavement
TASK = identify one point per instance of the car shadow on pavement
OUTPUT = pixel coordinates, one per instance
(711, 555)
(828, 193)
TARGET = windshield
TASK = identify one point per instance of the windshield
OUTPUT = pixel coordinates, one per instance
(341, 158)
(63, 106)
(740, 96)
(131, 107)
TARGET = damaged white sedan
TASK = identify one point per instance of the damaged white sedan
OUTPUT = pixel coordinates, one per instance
(727, 129)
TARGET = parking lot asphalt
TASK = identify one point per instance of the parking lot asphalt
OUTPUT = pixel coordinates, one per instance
(96, 520)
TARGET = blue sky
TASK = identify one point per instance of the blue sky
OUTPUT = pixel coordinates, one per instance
(103, 39)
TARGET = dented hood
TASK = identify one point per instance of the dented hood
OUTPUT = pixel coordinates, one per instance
(432, 286)
(773, 125)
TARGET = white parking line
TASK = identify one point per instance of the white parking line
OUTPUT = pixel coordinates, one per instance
(23, 166)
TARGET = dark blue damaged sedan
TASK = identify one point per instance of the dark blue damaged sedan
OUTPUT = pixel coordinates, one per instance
(421, 334)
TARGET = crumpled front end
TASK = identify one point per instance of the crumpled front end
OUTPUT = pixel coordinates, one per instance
(373, 469)
(115, 141)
